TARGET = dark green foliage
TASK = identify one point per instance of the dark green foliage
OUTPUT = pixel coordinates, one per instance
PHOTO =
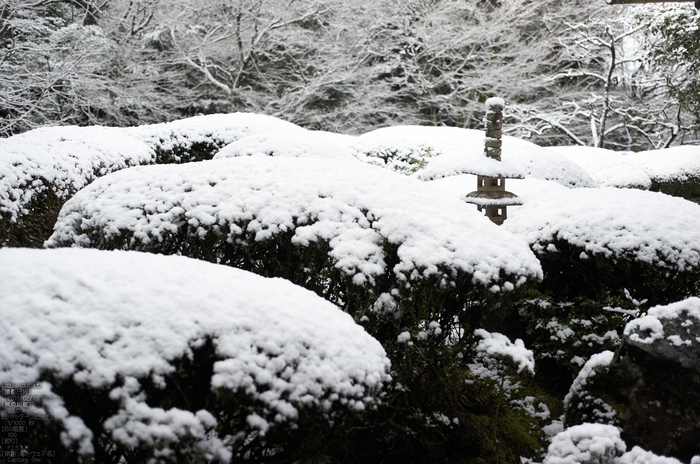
(689, 188)
(34, 227)
(436, 411)
(568, 276)
(564, 334)
(187, 153)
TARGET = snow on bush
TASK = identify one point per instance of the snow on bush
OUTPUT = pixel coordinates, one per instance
(435, 152)
(498, 346)
(115, 323)
(607, 168)
(200, 137)
(652, 227)
(309, 219)
(40, 169)
(649, 328)
(63, 159)
(586, 444)
(598, 444)
(601, 227)
(296, 143)
(670, 164)
(638, 455)
(579, 398)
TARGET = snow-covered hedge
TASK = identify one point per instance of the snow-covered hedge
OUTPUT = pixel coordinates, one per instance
(594, 241)
(607, 168)
(373, 241)
(435, 152)
(675, 170)
(200, 137)
(166, 359)
(295, 143)
(41, 169)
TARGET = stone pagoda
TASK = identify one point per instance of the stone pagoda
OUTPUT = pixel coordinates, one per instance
(491, 195)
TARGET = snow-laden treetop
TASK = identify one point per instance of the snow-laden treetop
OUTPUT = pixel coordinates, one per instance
(101, 318)
(354, 207)
(651, 227)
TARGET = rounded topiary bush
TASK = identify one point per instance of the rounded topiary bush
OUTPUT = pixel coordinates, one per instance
(595, 243)
(134, 357)
(201, 137)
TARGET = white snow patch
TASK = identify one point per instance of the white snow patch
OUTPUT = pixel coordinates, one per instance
(586, 444)
(638, 455)
(607, 168)
(297, 143)
(675, 163)
(494, 344)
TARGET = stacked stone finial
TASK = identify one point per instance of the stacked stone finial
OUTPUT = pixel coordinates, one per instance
(491, 195)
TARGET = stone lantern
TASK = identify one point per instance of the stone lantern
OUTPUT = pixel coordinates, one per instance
(491, 195)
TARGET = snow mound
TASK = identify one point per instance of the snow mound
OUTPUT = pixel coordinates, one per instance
(295, 143)
(63, 159)
(357, 209)
(651, 227)
(586, 444)
(215, 130)
(650, 327)
(542, 164)
(607, 168)
(638, 455)
(435, 152)
(598, 444)
(669, 164)
(113, 320)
